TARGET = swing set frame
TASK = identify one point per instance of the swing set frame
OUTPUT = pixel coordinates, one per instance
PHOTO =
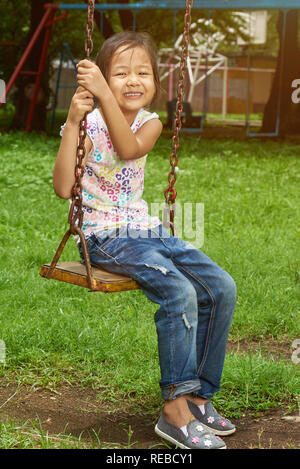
(49, 19)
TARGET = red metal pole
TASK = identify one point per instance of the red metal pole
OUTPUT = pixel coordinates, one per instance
(49, 9)
(40, 71)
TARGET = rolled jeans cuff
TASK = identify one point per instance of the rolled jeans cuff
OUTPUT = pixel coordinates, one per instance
(172, 391)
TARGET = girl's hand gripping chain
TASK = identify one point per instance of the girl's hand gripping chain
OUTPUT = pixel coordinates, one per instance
(90, 77)
(81, 103)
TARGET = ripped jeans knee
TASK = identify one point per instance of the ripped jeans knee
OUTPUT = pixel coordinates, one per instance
(161, 268)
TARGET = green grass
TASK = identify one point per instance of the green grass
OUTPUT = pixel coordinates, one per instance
(58, 333)
(30, 435)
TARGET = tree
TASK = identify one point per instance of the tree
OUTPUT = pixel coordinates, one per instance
(287, 69)
(12, 34)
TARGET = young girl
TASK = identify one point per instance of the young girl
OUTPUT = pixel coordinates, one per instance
(196, 297)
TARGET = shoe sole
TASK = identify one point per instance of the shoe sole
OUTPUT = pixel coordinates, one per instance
(218, 432)
(167, 437)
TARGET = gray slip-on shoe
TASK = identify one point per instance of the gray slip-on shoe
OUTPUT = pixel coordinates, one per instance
(198, 436)
(210, 419)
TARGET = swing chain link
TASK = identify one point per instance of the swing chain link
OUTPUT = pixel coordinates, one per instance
(89, 29)
(170, 192)
(75, 218)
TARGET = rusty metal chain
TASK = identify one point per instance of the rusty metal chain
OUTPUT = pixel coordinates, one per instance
(170, 191)
(89, 29)
(75, 218)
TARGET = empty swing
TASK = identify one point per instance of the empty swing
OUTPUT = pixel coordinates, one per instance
(86, 275)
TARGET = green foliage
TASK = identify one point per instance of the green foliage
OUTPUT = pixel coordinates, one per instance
(165, 24)
(13, 34)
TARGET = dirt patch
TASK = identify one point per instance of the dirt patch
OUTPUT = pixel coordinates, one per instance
(77, 411)
(269, 348)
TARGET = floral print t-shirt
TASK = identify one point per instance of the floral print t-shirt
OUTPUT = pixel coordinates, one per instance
(112, 188)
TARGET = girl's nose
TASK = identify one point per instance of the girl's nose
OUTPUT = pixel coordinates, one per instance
(132, 80)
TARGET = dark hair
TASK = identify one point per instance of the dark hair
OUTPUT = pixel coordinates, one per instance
(132, 39)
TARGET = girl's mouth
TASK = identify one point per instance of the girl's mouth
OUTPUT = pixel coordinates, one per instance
(133, 95)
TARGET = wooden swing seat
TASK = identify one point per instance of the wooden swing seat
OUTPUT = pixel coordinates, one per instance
(75, 273)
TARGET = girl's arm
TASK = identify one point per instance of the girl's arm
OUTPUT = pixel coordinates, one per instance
(127, 144)
(64, 169)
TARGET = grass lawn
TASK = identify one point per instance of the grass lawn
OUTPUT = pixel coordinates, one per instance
(57, 333)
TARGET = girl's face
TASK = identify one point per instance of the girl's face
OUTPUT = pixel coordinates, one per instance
(131, 79)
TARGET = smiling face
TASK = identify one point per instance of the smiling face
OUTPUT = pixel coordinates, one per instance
(131, 79)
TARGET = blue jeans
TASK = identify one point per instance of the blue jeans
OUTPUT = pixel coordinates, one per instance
(196, 299)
